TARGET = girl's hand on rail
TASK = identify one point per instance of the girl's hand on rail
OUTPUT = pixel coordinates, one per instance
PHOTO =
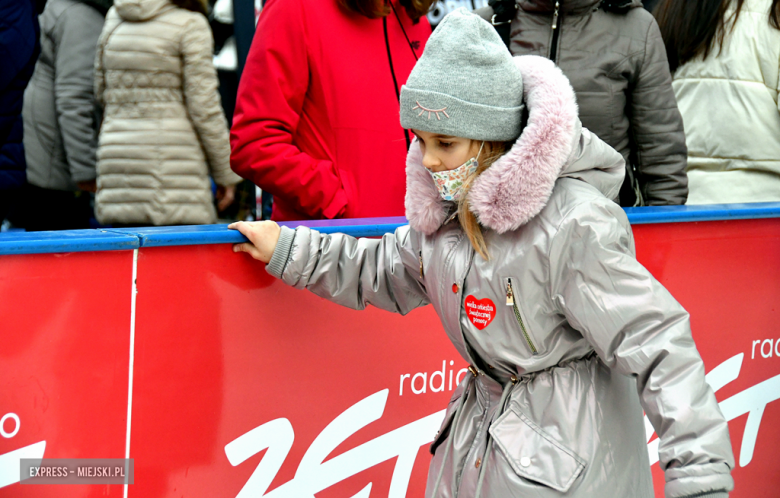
(262, 235)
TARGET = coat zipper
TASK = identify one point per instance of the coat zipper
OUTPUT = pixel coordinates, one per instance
(556, 32)
(422, 273)
(510, 300)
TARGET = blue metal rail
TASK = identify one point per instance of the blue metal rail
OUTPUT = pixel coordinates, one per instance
(124, 239)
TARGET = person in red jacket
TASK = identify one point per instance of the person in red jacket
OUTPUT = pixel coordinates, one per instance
(316, 120)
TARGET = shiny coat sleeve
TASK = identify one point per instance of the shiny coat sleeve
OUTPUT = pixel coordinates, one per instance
(657, 127)
(639, 329)
(269, 107)
(353, 272)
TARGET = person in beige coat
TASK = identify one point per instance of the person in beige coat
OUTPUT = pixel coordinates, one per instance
(726, 64)
(164, 130)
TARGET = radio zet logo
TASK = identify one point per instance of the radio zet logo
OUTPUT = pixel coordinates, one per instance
(314, 474)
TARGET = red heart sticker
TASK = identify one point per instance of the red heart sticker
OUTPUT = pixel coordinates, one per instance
(480, 311)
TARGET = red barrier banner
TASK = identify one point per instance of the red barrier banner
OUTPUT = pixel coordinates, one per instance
(237, 385)
(64, 358)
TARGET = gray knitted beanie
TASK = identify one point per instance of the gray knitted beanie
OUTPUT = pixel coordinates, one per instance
(465, 83)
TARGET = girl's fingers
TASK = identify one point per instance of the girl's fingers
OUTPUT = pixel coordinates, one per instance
(243, 247)
(243, 227)
(240, 226)
(247, 248)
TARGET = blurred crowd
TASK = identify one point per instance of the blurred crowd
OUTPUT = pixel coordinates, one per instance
(111, 113)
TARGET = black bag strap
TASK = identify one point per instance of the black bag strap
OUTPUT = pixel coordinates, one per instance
(503, 13)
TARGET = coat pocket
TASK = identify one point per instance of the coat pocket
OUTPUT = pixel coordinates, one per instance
(444, 430)
(533, 454)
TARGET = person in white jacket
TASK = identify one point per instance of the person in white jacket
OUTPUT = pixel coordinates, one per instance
(725, 56)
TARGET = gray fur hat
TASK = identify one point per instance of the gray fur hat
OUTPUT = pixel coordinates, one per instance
(465, 83)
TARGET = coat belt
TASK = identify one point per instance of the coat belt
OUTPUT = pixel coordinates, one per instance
(456, 420)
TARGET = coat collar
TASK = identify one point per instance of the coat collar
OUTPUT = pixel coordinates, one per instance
(572, 7)
(517, 186)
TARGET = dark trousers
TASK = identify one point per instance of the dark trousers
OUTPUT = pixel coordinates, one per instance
(8, 199)
(39, 209)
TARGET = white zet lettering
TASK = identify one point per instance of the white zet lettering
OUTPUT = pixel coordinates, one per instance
(11, 462)
(313, 474)
(752, 401)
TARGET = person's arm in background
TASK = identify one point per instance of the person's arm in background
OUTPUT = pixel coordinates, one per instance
(77, 32)
(203, 105)
(268, 110)
(657, 128)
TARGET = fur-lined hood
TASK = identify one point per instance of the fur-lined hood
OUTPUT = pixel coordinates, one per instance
(517, 186)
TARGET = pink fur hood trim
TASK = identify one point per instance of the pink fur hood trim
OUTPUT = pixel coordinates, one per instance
(517, 186)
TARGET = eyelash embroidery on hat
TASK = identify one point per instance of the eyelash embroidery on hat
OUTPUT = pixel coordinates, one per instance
(431, 111)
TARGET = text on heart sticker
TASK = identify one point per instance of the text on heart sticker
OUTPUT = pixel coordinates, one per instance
(480, 311)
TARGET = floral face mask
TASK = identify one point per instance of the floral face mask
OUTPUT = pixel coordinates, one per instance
(450, 183)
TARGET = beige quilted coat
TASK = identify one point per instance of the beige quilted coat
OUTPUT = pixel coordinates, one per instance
(164, 130)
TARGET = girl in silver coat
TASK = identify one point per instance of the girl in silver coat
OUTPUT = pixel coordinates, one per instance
(515, 240)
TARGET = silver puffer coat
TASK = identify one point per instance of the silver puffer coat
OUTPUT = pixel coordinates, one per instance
(568, 336)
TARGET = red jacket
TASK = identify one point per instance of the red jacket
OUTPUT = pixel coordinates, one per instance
(317, 120)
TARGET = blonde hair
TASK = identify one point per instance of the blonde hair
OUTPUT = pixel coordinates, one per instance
(468, 221)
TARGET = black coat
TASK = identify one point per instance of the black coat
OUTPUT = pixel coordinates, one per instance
(19, 47)
(614, 57)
